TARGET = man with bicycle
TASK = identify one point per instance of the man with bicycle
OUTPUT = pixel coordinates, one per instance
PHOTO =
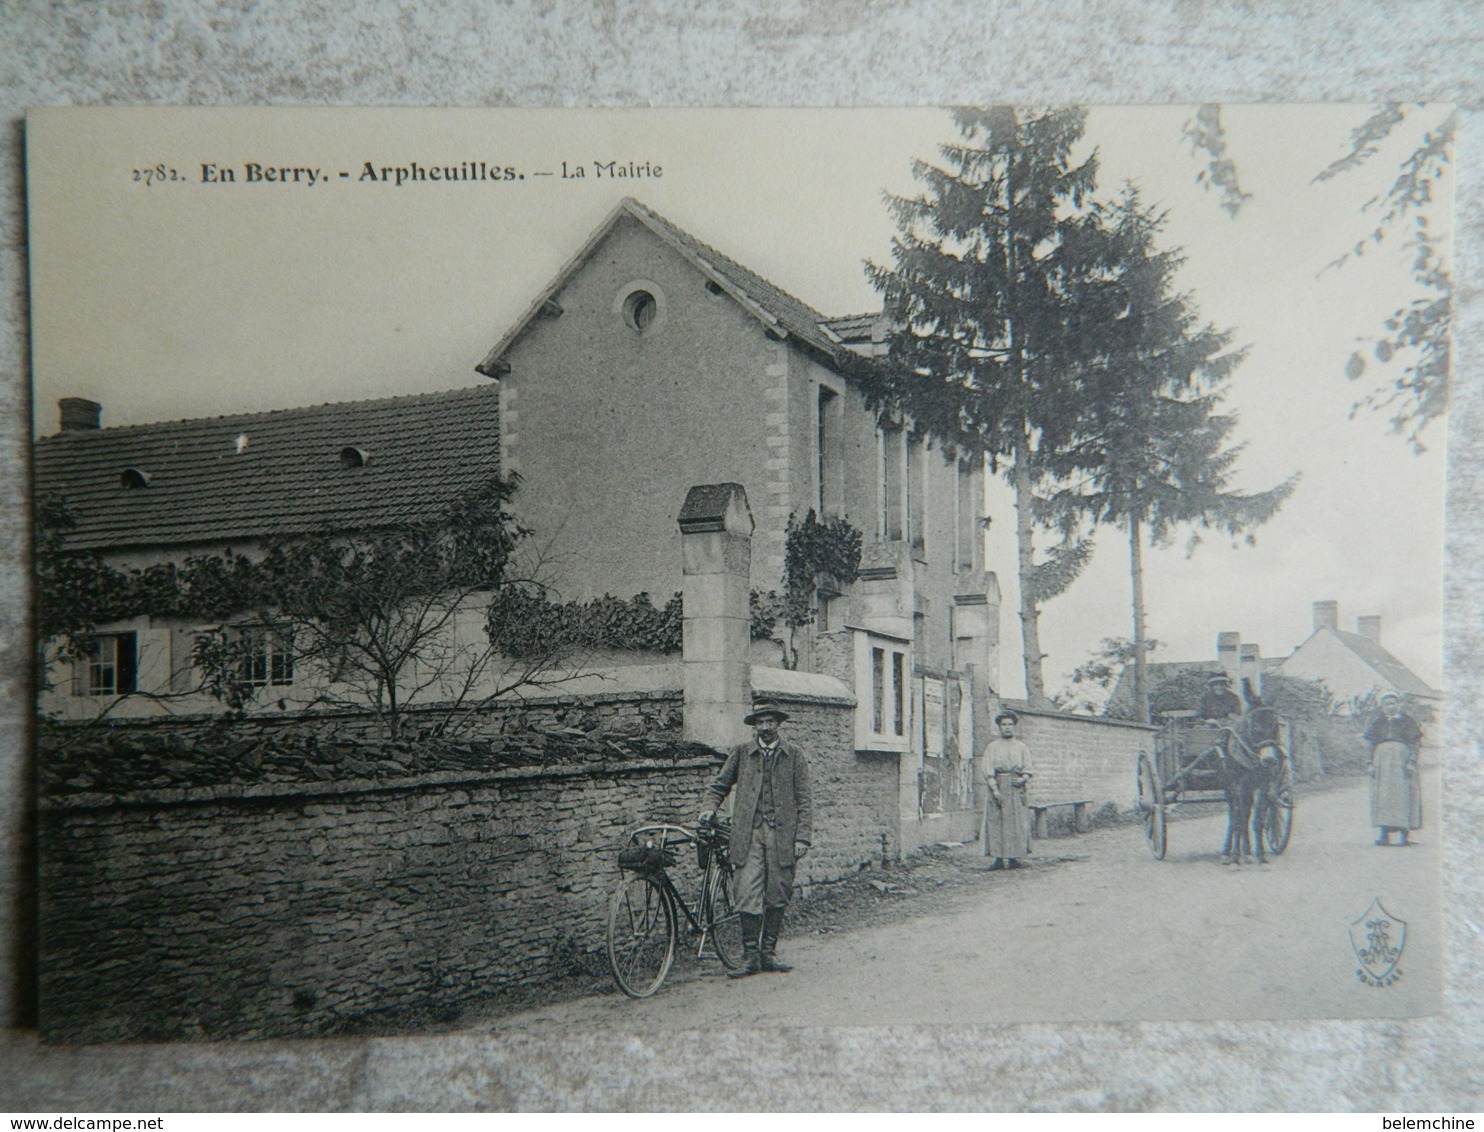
(772, 825)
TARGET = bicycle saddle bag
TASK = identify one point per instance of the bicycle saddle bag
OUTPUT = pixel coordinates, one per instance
(645, 858)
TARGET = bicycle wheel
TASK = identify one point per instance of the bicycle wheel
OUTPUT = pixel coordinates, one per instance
(723, 923)
(641, 934)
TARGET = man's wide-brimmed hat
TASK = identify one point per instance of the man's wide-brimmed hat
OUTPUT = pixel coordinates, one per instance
(1218, 678)
(762, 709)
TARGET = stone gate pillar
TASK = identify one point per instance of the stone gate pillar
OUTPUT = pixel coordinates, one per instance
(716, 548)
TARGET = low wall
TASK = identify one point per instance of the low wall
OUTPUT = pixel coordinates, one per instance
(855, 793)
(1076, 757)
(298, 909)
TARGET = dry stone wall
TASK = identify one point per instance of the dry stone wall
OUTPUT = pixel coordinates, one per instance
(321, 911)
(855, 793)
(358, 905)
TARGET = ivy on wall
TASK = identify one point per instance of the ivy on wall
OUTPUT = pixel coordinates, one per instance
(816, 550)
(521, 621)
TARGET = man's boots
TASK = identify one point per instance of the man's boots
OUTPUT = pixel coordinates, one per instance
(751, 960)
(772, 925)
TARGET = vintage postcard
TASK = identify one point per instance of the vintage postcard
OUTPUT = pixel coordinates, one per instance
(605, 568)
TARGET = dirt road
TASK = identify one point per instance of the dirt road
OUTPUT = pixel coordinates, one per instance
(1095, 928)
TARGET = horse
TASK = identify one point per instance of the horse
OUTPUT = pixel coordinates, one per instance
(1252, 764)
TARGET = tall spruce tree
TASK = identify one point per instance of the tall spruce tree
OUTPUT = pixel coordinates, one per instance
(1154, 451)
(1002, 273)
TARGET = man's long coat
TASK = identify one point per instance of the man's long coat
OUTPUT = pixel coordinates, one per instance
(793, 801)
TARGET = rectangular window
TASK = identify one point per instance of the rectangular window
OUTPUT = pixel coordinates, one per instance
(917, 490)
(269, 659)
(108, 666)
(830, 456)
(891, 484)
(883, 715)
(878, 691)
(967, 520)
(899, 692)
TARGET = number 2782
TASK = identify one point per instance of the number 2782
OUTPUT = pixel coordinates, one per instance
(154, 174)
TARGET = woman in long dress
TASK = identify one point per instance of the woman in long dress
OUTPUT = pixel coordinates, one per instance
(1396, 797)
(1006, 831)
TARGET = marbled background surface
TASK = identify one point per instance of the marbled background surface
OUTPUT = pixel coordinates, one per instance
(767, 53)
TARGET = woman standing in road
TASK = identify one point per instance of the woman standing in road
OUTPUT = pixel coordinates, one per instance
(1006, 831)
(1396, 799)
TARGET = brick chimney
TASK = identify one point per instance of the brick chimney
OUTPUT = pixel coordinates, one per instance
(1326, 615)
(1251, 667)
(1369, 627)
(78, 414)
(1228, 653)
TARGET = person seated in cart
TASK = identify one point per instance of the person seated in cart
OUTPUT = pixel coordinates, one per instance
(1219, 703)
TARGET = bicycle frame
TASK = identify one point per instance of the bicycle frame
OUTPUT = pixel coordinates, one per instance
(675, 837)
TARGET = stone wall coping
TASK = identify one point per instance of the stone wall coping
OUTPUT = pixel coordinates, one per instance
(801, 687)
(548, 699)
(1070, 717)
(232, 792)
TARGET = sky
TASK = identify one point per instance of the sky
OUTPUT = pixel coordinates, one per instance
(188, 297)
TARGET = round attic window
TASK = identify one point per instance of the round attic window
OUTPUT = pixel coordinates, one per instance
(641, 304)
(640, 309)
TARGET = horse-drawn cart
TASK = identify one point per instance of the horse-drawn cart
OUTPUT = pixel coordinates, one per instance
(1195, 761)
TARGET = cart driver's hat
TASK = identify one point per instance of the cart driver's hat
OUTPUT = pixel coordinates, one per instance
(764, 709)
(1218, 678)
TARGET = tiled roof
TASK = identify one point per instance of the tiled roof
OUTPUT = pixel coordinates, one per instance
(854, 327)
(273, 474)
(1397, 674)
(775, 308)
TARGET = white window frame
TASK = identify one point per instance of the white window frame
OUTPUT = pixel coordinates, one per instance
(273, 653)
(102, 656)
(883, 691)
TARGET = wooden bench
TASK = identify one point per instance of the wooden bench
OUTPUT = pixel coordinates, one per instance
(1038, 813)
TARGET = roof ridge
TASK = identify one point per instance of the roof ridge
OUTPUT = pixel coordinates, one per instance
(361, 403)
(728, 260)
(1370, 642)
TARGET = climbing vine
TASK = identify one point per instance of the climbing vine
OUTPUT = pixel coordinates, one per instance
(814, 550)
(522, 620)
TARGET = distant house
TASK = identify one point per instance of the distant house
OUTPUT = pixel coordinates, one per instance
(1354, 665)
(1176, 685)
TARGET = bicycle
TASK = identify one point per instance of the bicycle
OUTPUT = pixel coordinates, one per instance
(646, 909)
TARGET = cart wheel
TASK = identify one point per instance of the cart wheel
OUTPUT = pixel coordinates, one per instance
(1278, 824)
(1152, 806)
